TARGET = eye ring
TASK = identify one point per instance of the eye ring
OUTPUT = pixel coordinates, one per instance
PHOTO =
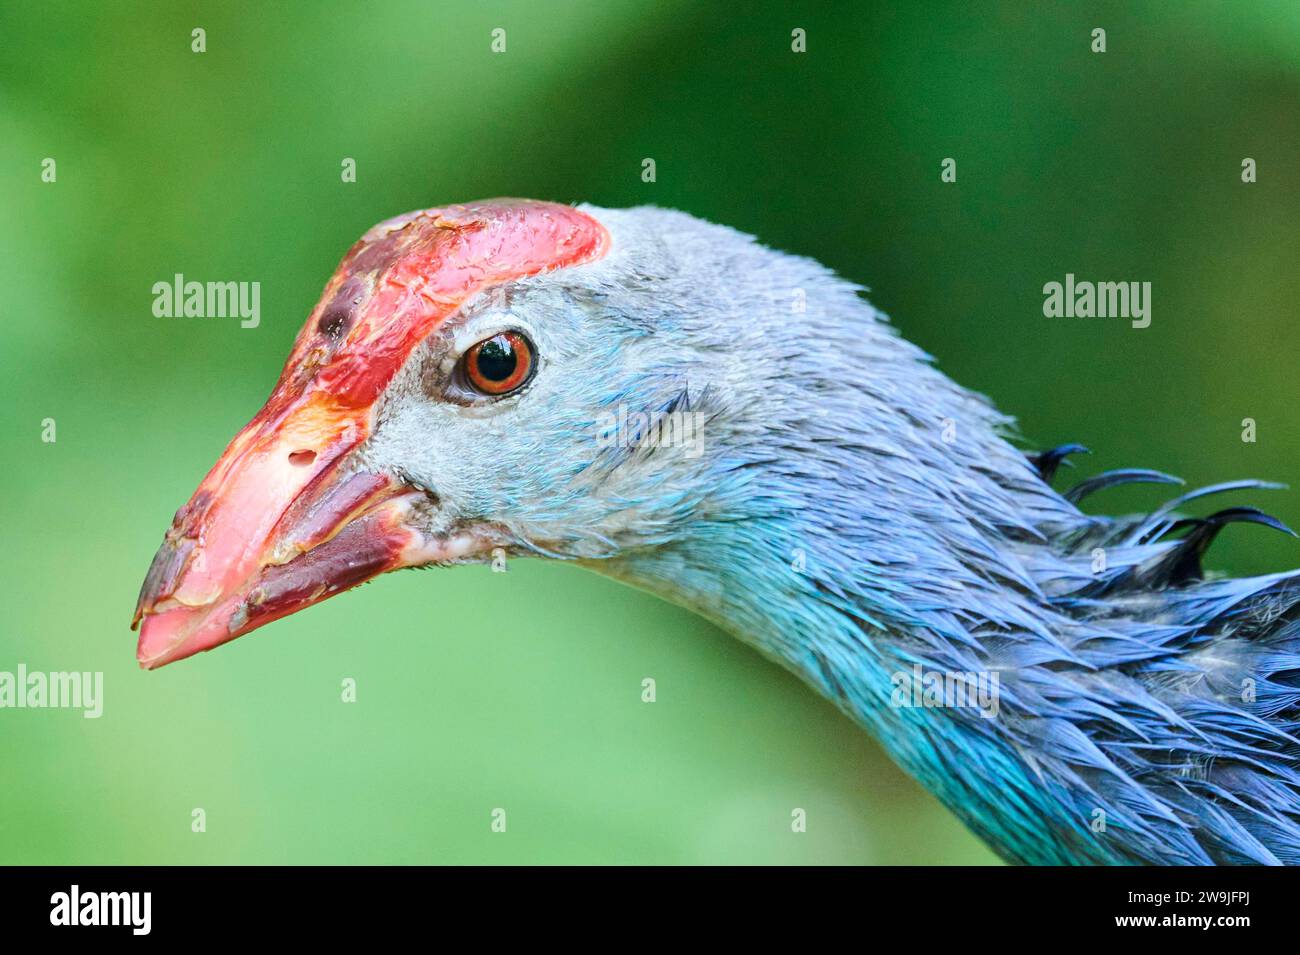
(499, 365)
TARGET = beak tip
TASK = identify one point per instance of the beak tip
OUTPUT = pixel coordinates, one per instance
(147, 657)
(149, 664)
(164, 638)
(147, 660)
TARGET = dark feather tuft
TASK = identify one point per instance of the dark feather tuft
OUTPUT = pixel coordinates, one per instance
(1183, 563)
(1048, 461)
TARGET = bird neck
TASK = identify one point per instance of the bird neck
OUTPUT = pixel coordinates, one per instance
(870, 657)
(882, 600)
(807, 608)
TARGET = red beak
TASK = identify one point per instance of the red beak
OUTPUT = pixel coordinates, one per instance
(289, 515)
(283, 521)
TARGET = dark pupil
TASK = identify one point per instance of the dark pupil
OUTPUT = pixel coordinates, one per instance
(496, 359)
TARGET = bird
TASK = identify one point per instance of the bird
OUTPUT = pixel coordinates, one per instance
(737, 430)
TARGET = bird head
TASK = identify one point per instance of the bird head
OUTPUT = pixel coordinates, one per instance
(658, 397)
(472, 383)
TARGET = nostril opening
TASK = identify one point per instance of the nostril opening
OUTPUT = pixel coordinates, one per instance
(301, 459)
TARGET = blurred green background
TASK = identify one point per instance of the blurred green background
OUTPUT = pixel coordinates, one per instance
(226, 166)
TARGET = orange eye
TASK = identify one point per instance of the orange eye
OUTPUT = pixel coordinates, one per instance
(500, 364)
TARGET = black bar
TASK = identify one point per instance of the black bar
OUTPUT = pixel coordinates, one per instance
(332, 904)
